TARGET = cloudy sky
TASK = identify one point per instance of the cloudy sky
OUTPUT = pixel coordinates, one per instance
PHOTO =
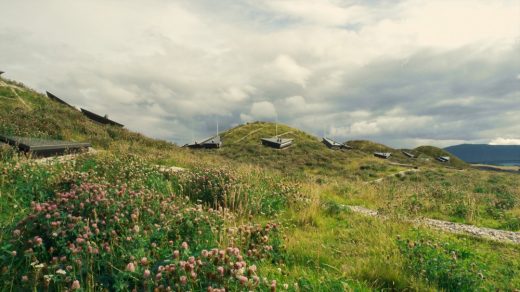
(404, 73)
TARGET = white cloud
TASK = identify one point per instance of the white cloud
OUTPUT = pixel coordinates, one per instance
(297, 101)
(462, 101)
(412, 143)
(505, 141)
(360, 114)
(263, 110)
(386, 124)
(322, 12)
(286, 68)
(364, 128)
(245, 118)
(237, 94)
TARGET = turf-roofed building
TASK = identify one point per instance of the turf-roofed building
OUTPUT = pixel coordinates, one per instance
(43, 147)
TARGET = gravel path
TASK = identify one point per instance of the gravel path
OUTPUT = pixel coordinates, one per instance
(451, 227)
(62, 158)
(69, 157)
(170, 169)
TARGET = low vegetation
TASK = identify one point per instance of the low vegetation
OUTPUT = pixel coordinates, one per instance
(241, 218)
(488, 199)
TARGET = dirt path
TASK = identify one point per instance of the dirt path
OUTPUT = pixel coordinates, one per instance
(12, 88)
(446, 226)
(249, 134)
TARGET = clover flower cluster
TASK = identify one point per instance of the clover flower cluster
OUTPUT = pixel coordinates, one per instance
(83, 229)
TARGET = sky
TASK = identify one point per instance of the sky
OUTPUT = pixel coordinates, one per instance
(404, 73)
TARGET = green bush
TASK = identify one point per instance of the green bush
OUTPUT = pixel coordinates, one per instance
(252, 193)
(449, 266)
(511, 223)
(460, 210)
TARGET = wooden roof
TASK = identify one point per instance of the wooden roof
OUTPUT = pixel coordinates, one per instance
(211, 142)
(43, 147)
(277, 142)
(57, 99)
(384, 155)
(100, 119)
(331, 143)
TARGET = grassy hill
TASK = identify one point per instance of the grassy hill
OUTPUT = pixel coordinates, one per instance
(241, 218)
(307, 156)
(25, 112)
(242, 144)
(370, 147)
(434, 152)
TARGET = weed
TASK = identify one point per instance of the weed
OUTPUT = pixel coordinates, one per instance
(449, 266)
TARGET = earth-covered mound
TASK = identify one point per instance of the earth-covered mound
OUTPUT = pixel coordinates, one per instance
(435, 152)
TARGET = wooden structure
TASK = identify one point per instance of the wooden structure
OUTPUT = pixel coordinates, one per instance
(443, 159)
(332, 144)
(100, 119)
(408, 154)
(276, 142)
(59, 100)
(43, 147)
(384, 155)
(209, 143)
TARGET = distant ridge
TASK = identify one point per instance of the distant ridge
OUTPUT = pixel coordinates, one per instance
(489, 154)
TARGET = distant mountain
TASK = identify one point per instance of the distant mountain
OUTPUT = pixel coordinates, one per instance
(483, 153)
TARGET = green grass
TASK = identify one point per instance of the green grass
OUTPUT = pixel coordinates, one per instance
(279, 210)
(474, 197)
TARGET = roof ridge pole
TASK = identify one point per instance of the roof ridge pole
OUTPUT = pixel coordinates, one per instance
(276, 125)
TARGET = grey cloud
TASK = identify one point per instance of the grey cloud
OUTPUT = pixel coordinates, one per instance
(172, 70)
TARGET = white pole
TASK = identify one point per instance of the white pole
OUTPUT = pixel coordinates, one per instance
(276, 126)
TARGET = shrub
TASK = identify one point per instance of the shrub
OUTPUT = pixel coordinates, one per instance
(505, 200)
(447, 265)
(511, 223)
(460, 210)
(251, 193)
(414, 204)
(332, 208)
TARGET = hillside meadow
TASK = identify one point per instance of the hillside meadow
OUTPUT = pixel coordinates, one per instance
(240, 218)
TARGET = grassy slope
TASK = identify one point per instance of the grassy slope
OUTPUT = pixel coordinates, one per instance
(242, 144)
(327, 248)
(25, 112)
(434, 152)
(308, 156)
